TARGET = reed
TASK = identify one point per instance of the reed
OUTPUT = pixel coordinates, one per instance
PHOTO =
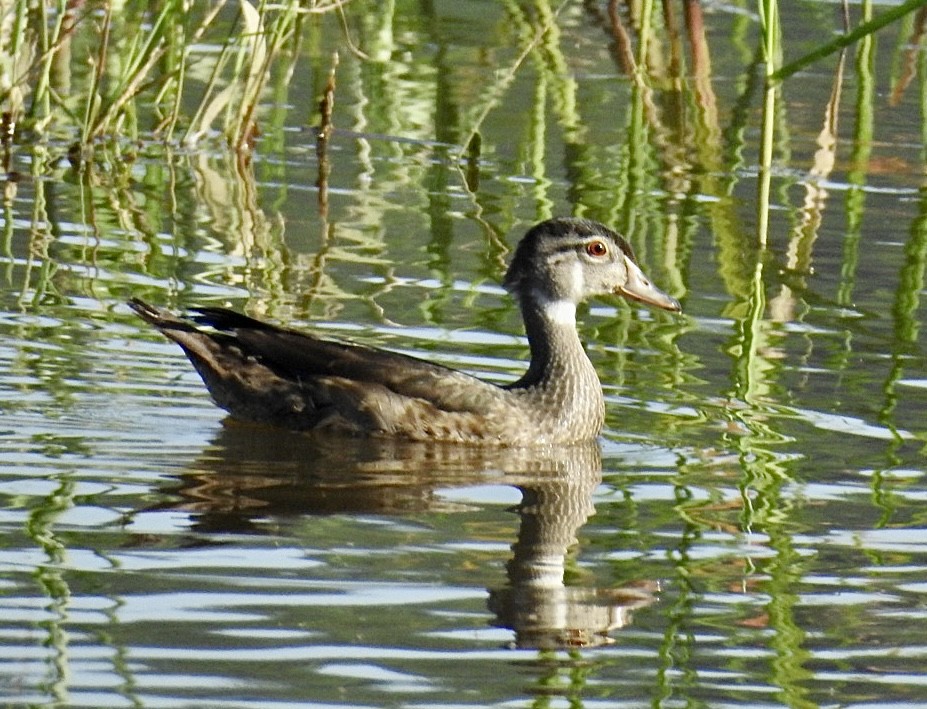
(866, 29)
(772, 56)
(104, 78)
(255, 45)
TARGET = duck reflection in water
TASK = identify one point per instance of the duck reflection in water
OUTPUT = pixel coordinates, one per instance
(251, 473)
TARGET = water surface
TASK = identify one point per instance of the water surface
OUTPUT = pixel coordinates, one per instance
(748, 531)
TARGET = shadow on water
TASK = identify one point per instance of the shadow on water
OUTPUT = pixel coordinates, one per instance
(250, 473)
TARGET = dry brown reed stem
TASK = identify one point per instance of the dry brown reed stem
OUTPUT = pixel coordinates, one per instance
(326, 126)
(910, 57)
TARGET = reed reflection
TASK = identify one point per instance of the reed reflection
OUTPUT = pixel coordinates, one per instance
(249, 474)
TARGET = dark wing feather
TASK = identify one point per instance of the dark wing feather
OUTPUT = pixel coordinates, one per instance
(301, 357)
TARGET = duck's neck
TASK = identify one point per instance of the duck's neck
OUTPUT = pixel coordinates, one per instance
(561, 386)
(558, 359)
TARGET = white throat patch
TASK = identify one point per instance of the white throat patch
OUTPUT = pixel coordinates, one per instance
(559, 312)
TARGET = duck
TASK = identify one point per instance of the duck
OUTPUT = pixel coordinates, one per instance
(261, 372)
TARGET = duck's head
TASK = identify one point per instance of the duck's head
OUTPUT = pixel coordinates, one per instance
(566, 260)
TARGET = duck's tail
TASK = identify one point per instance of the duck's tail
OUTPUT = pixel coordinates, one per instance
(159, 317)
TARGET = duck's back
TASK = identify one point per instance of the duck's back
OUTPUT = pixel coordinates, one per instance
(263, 373)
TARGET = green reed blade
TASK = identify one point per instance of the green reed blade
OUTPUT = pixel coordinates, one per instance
(845, 40)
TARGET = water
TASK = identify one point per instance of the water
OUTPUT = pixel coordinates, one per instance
(747, 532)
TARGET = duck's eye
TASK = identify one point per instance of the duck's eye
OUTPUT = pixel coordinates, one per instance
(596, 248)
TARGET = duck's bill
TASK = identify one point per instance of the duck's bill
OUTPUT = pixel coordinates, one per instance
(639, 287)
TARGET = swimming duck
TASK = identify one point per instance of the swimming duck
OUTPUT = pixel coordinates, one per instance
(264, 373)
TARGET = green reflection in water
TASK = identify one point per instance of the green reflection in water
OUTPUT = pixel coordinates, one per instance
(858, 173)
(50, 578)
